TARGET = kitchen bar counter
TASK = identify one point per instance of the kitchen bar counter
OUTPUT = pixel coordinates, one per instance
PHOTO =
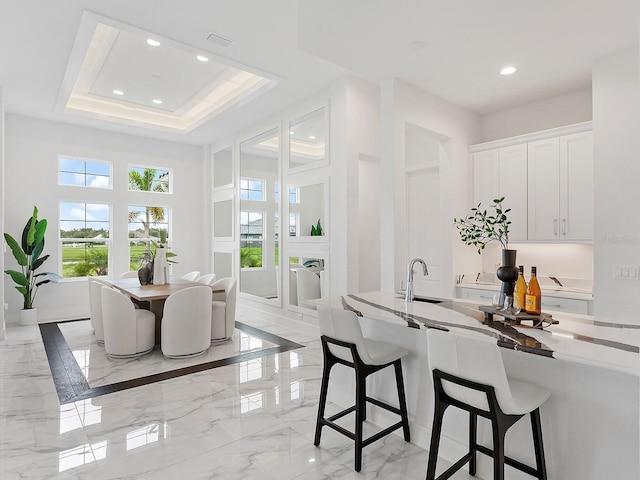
(577, 338)
(591, 367)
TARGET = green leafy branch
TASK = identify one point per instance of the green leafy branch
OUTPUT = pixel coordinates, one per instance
(480, 228)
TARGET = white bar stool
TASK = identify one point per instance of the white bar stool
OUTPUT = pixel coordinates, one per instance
(343, 343)
(469, 374)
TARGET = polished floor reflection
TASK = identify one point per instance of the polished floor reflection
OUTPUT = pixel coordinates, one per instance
(251, 418)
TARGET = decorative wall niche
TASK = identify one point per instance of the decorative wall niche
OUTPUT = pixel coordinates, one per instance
(223, 168)
(223, 264)
(307, 281)
(307, 210)
(223, 224)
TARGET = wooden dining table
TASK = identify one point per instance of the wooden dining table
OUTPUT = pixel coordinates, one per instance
(155, 294)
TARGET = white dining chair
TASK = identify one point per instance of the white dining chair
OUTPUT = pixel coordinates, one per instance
(468, 373)
(293, 283)
(207, 279)
(191, 276)
(133, 274)
(344, 344)
(95, 307)
(223, 310)
(128, 332)
(308, 284)
(186, 323)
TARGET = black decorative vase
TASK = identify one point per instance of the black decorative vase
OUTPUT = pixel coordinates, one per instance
(144, 275)
(508, 272)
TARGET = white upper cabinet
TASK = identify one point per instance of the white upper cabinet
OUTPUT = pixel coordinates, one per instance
(513, 186)
(544, 189)
(502, 172)
(546, 179)
(560, 177)
(486, 177)
(576, 186)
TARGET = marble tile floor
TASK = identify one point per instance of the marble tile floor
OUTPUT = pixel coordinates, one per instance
(251, 419)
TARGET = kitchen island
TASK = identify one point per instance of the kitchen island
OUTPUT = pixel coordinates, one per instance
(591, 366)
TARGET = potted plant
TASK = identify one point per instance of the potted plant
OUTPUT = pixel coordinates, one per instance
(28, 255)
(481, 227)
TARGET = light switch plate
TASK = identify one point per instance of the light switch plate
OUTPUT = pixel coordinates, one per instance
(626, 272)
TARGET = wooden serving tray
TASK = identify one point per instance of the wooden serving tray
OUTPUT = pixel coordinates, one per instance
(539, 321)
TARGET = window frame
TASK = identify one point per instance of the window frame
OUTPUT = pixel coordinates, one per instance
(263, 215)
(107, 241)
(109, 164)
(263, 192)
(143, 167)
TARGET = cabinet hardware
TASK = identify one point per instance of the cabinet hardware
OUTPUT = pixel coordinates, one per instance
(555, 226)
(551, 305)
(564, 226)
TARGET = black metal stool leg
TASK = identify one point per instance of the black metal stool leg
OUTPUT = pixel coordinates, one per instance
(536, 426)
(473, 430)
(360, 406)
(402, 400)
(323, 400)
(436, 430)
(498, 449)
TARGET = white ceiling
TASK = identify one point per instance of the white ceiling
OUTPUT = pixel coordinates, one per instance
(309, 43)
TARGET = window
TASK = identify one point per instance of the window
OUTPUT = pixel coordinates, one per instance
(294, 193)
(251, 189)
(146, 225)
(293, 224)
(149, 179)
(251, 236)
(84, 239)
(83, 173)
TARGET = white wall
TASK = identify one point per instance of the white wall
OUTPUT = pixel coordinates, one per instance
(2, 204)
(32, 149)
(552, 112)
(355, 131)
(402, 103)
(616, 140)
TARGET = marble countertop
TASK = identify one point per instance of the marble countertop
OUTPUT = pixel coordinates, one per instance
(576, 338)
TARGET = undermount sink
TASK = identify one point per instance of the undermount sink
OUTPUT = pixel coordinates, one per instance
(418, 298)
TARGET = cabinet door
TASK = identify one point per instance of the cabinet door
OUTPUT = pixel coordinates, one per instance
(513, 186)
(486, 177)
(576, 187)
(543, 181)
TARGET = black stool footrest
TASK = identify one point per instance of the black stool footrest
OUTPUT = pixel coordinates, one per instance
(510, 461)
(455, 467)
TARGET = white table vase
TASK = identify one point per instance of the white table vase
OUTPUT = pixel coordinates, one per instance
(160, 267)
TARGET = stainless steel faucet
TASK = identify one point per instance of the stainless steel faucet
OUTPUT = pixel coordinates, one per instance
(408, 297)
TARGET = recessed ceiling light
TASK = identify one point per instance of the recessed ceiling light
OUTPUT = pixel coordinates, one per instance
(202, 58)
(508, 71)
(291, 132)
(152, 42)
(312, 137)
(118, 92)
(157, 102)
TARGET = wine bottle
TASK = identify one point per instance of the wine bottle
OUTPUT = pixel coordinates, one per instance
(519, 291)
(533, 298)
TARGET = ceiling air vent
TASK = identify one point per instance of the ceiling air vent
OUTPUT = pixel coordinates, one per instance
(219, 39)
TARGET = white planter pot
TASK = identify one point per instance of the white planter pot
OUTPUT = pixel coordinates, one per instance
(29, 316)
